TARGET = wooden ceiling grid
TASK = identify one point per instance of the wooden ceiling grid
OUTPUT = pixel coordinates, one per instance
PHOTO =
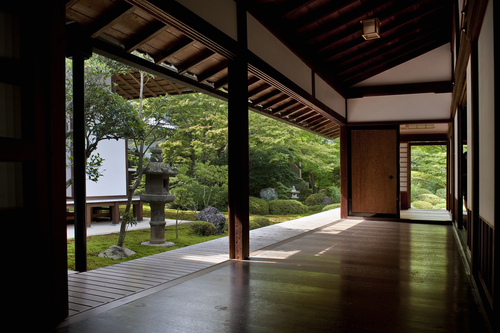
(326, 34)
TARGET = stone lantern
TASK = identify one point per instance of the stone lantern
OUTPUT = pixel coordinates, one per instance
(157, 195)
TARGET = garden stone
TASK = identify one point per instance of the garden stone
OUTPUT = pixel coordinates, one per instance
(214, 216)
(327, 201)
(269, 194)
(116, 252)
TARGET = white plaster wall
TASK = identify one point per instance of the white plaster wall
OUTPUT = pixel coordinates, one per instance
(270, 49)
(423, 107)
(113, 181)
(329, 96)
(486, 115)
(219, 13)
(432, 66)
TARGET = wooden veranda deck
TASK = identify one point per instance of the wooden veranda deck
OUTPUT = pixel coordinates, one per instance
(90, 291)
(308, 276)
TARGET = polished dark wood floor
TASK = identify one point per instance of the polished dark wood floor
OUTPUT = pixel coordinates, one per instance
(350, 276)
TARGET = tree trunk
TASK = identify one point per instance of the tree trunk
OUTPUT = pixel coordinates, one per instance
(312, 182)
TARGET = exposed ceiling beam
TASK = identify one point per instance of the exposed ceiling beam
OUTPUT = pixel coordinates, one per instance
(152, 31)
(212, 71)
(110, 18)
(200, 58)
(164, 54)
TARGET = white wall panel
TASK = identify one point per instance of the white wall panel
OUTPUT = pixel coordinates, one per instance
(113, 181)
(432, 66)
(399, 107)
(219, 13)
(486, 115)
(329, 96)
(270, 49)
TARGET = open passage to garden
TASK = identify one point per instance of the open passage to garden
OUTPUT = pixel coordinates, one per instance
(428, 176)
(292, 172)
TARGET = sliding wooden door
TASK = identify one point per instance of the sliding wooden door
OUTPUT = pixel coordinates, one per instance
(374, 172)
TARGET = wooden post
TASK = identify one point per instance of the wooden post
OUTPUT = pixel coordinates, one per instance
(344, 173)
(79, 162)
(79, 48)
(238, 145)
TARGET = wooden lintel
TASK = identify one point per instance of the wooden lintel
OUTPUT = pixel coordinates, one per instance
(399, 89)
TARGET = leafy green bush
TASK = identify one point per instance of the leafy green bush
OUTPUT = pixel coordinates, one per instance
(315, 208)
(261, 221)
(441, 193)
(258, 206)
(304, 194)
(418, 191)
(283, 207)
(422, 205)
(440, 206)
(427, 181)
(253, 225)
(315, 199)
(202, 228)
(430, 198)
(334, 193)
(329, 207)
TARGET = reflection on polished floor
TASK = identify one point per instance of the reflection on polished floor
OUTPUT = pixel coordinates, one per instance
(426, 215)
(350, 276)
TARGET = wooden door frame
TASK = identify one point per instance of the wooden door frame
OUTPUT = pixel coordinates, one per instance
(349, 171)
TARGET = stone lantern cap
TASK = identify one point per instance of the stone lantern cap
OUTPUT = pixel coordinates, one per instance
(160, 168)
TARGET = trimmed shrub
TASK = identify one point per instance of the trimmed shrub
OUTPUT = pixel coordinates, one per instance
(441, 193)
(431, 198)
(258, 206)
(304, 194)
(202, 228)
(315, 199)
(440, 206)
(329, 207)
(283, 207)
(315, 209)
(261, 221)
(430, 182)
(334, 193)
(422, 205)
(418, 191)
(253, 225)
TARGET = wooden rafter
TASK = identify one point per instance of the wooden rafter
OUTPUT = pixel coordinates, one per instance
(117, 13)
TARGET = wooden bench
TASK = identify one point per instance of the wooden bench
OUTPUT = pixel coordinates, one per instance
(108, 208)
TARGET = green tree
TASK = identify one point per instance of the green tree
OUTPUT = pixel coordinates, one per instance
(107, 115)
(200, 130)
(319, 157)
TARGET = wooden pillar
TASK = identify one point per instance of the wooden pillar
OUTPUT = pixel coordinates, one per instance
(79, 48)
(344, 173)
(79, 163)
(238, 145)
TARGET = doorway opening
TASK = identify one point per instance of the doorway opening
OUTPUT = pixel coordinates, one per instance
(428, 175)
